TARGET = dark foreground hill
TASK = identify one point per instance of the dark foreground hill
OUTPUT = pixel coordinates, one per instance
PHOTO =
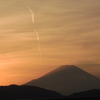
(66, 80)
(13, 92)
(85, 95)
(89, 93)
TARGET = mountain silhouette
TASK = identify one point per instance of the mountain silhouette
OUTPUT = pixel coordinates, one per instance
(14, 92)
(90, 93)
(67, 79)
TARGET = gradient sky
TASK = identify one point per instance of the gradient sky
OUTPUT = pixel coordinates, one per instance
(69, 32)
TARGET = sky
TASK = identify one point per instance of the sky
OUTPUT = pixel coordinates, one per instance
(69, 34)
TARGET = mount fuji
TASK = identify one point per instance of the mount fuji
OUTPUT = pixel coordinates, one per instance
(67, 79)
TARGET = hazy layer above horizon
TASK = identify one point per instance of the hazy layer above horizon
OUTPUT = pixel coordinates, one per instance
(69, 32)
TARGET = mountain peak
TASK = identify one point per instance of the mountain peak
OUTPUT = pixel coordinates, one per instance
(67, 66)
(67, 79)
(66, 69)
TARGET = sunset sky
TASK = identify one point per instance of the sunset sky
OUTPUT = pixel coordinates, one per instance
(69, 33)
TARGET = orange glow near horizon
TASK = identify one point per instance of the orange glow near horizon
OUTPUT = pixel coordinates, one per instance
(19, 72)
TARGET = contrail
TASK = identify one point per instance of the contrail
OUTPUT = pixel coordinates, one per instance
(32, 14)
(38, 39)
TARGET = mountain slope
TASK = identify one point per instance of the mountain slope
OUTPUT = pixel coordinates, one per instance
(66, 80)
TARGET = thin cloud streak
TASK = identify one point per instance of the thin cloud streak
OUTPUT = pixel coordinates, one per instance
(38, 39)
(32, 15)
